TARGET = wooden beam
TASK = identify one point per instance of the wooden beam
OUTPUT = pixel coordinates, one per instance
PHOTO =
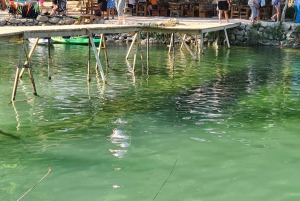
(186, 46)
(96, 57)
(29, 56)
(228, 45)
(131, 45)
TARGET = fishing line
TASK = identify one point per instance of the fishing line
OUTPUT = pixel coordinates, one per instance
(167, 178)
(49, 170)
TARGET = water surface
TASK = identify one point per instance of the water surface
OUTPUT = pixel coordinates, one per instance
(225, 127)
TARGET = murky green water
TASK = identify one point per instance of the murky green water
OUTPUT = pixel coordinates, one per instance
(222, 128)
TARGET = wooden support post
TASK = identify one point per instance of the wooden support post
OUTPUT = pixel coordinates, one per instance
(29, 56)
(49, 59)
(102, 45)
(225, 31)
(136, 51)
(139, 48)
(32, 80)
(131, 45)
(201, 43)
(147, 46)
(186, 46)
(96, 56)
(13, 96)
(183, 41)
(197, 44)
(171, 43)
(23, 66)
(88, 77)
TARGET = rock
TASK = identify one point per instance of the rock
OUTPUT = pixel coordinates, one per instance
(2, 22)
(54, 20)
(14, 21)
(42, 18)
(23, 20)
(69, 21)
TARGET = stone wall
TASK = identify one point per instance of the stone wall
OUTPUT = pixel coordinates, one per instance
(266, 33)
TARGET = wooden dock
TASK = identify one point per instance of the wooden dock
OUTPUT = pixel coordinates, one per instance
(17, 32)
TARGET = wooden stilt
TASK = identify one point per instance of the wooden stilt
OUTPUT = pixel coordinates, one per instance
(171, 43)
(183, 41)
(197, 44)
(32, 80)
(147, 46)
(96, 57)
(186, 46)
(134, 56)
(139, 48)
(102, 45)
(29, 56)
(49, 58)
(201, 43)
(13, 96)
(88, 77)
(225, 31)
(131, 45)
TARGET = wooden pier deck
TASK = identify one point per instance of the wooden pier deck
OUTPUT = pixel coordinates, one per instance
(134, 25)
(186, 25)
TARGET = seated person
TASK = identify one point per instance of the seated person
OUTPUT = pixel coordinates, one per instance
(153, 5)
(54, 7)
(131, 3)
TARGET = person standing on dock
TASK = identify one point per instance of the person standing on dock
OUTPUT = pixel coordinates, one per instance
(255, 6)
(120, 5)
(277, 7)
(110, 9)
(297, 11)
(223, 5)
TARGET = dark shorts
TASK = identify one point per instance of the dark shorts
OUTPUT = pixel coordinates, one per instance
(100, 2)
(155, 6)
(130, 6)
(223, 5)
(54, 2)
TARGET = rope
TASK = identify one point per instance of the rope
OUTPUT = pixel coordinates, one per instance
(167, 178)
(49, 170)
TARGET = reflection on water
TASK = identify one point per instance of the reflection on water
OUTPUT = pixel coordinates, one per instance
(232, 116)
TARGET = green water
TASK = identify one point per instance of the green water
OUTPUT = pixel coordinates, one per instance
(225, 127)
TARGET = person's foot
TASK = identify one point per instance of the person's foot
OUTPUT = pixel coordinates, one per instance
(106, 18)
(273, 19)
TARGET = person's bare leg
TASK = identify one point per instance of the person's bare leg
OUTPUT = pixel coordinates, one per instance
(226, 16)
(278, 13)
(108, 12)
(113, 13)
(220, 16)
(124, 19)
